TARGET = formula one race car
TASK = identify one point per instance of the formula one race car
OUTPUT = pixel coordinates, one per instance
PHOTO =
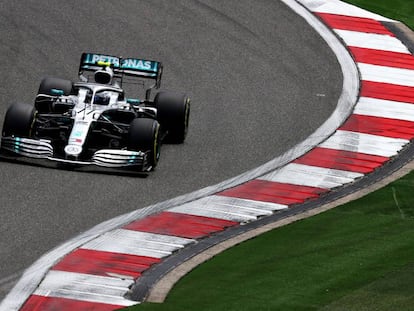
(93, 122)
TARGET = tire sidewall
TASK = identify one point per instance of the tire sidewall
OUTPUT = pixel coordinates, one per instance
(49, 83)
(19, 120)
(173, 112)
(144, 136)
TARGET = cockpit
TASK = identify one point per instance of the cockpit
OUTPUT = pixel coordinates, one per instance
(97, 94)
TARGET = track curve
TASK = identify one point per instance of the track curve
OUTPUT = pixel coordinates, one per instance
(259, 80)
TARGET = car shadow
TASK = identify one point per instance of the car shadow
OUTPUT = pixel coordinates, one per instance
(73, 168)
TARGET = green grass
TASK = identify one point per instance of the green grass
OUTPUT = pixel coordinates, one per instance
(402, 10)
(390, 292)
(359, 256)
(360, 251)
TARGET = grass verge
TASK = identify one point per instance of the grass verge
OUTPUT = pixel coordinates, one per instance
(359, 253)
(359, 256)
(401, 10)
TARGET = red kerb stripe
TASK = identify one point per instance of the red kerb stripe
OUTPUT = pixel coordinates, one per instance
(41, 303)
(342, 160)
(382, 58)
(352, 23)
(387, 91)
(182, 225)
(379, 126)
(104, 263)
(274, 192)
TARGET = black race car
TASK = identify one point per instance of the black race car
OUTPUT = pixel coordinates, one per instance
(93, 122)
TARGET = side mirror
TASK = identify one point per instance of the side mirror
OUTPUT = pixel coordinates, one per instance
(133, 101)
(57, 92)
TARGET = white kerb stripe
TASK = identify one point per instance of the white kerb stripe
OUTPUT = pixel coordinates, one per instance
(385, 109)
(212, 214)
(244, 203)
(364, 143)
(224, 204)
(372, 41)
(210, 208)
(85, 287)
(137, 243)
(386, 74)
(313, 176)
(341, 8)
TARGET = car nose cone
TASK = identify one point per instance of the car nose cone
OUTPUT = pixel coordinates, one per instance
(73, 150)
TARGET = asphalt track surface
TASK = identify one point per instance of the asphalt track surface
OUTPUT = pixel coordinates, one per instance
(260, 79)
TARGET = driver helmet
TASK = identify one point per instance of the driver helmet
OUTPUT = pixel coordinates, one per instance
(102, 98)
(104, 76)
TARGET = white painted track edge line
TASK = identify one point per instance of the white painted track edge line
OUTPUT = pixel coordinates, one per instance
(33, 275)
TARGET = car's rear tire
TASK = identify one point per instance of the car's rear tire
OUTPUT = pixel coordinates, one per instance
(49, 84)
(144, 136)
(173, 113)
(18, 120)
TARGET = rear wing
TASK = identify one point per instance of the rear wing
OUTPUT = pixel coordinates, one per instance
(134, 67)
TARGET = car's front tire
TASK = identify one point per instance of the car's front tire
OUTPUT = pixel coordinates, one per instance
(144, 136)
(173, 113)
(19, 120)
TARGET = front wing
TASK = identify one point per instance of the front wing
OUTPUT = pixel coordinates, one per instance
(43, 149)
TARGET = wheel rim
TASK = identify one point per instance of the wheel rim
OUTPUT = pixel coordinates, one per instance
(156, 150)
(186, 116)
